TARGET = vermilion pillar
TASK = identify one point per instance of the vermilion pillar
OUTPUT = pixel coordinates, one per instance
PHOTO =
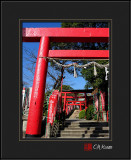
(38, 90)
(80, 106)
(85, 102)
(67, 108)
(64, 102)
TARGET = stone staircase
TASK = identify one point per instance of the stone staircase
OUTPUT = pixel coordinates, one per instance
(84, 129)
(75, 114)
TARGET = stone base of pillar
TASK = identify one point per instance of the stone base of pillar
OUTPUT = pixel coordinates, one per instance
(28, 136)
(48, 128)
(104, 116)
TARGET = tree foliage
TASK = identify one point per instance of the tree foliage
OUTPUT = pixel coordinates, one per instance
(90, 112)
(84, 24)
(82, 114)
(65, 88)
(95, 81)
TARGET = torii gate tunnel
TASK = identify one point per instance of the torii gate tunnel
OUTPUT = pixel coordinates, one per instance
(45, 36)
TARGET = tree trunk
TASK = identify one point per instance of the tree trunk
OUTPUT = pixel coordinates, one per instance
(58, 81)
(98, 114)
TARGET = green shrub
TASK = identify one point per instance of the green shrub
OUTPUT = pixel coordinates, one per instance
(90, 112)
(95, 117)
(82, 114)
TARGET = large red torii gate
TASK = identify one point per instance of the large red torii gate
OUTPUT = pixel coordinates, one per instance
(45, 36)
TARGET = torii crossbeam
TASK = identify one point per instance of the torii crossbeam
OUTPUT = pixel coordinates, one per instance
(45, 36)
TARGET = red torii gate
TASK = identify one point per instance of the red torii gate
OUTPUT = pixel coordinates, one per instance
(45, 36)
(75, 102)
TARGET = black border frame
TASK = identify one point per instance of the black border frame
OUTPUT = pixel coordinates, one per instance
(10, 18)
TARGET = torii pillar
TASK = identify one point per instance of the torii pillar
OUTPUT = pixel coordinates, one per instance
(37, 99)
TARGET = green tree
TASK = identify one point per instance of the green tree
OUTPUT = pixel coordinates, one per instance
(65, 88)
(84, 24)
(95, 81)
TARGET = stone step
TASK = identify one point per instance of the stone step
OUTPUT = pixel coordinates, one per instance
(98, 131)
(75, 128)
(83, 125)
(70, 136)
(83, 137)
(83, 121)
(83, 131)
(62, 135)
(97, 135)
(86, 122)
(98, 128)
(73, 132)
(88, 128)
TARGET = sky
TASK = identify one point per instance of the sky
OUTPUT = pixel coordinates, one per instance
(75, 83)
